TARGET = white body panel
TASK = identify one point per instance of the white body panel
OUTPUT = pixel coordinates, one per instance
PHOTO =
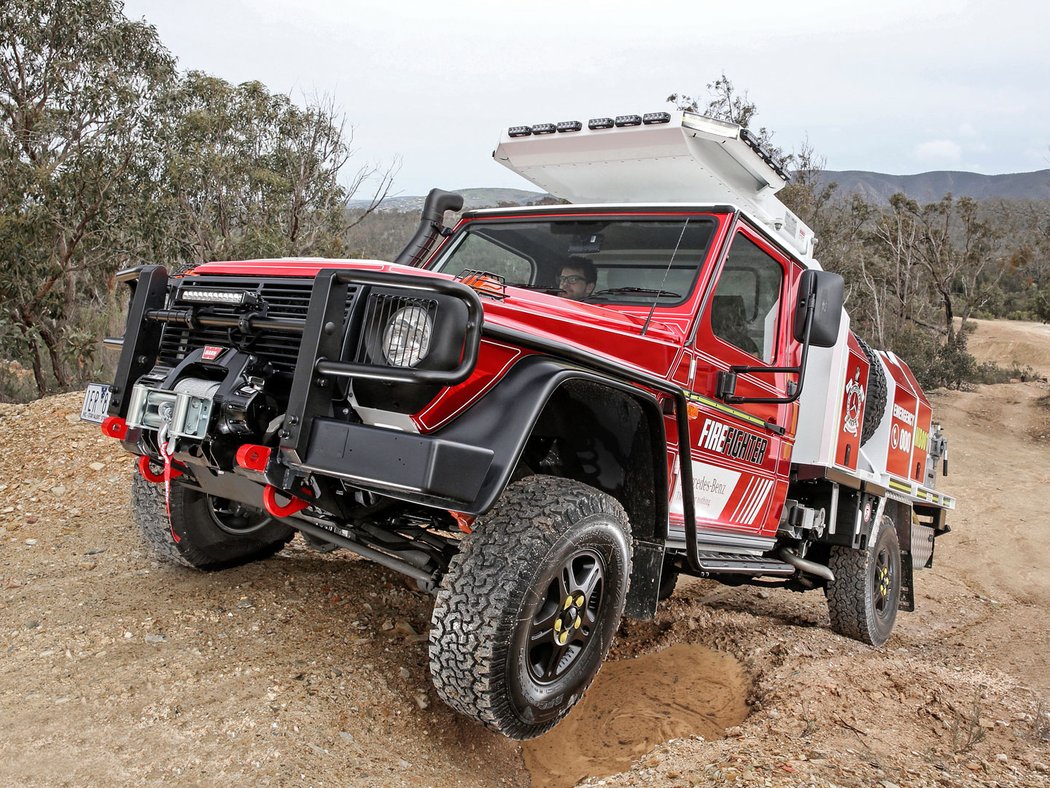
(820, 405)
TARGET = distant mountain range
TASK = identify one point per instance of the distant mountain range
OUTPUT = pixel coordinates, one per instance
(932, 186)
(874, 186)
(472, 199)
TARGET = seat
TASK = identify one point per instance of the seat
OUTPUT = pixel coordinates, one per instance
(729, 322)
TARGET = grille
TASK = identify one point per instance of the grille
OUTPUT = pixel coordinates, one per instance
(285, 298)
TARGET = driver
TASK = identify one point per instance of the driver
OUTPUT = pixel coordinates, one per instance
(577, 278)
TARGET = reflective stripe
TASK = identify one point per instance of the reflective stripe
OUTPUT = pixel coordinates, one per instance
(721, 407)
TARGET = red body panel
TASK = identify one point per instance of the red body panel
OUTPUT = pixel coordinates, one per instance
(923, 424)
(741, 455)
(853, 400)
(742, 495)
(903, 417)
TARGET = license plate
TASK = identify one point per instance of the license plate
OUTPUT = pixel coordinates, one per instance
(96, 403)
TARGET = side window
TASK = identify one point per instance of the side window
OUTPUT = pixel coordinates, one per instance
(480, 254)
(746, 300)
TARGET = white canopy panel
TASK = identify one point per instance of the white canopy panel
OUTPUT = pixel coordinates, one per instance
(691, 158)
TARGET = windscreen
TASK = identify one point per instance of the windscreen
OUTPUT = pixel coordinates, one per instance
(604, 261)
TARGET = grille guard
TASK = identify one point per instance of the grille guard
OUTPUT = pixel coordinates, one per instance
(322, 348)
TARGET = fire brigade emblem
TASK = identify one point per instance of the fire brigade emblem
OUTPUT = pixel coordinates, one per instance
(855, 395)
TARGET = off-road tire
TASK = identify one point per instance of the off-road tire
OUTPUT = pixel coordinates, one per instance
(863, 604)
(874, 393)
(192, 537)
(489, 639)
(668, 582)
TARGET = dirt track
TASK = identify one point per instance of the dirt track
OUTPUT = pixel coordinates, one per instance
(311, 669)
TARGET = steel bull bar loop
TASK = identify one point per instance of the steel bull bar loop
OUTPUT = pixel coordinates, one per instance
(323, 346)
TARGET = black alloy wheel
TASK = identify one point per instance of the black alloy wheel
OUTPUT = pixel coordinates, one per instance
(566, 616)
(236, 519)
(201, 531)
(884, 580)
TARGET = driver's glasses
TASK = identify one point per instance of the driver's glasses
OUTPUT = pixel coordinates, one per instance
(570, 280)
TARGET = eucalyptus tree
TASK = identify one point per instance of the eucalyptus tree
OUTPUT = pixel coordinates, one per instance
(243, 172)
(76, 81)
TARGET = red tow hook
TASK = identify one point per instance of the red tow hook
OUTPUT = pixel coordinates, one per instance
(156, 478)
(464, 521)
(275, 509)
(114, 427)
(253, 457)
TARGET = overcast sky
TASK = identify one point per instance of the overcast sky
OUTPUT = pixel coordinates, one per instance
(890, 86)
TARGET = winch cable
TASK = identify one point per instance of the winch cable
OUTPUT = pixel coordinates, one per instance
(166, 446)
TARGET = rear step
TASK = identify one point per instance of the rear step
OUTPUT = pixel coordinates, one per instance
(741, 564)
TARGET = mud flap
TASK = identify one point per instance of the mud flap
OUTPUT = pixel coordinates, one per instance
(644, 591)
(907, 601)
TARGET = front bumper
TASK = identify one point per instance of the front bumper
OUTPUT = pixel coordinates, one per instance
(310, 439)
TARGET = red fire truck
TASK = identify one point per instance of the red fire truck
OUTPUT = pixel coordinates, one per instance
(543, 415)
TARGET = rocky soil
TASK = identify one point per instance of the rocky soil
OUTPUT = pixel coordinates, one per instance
(311, 669)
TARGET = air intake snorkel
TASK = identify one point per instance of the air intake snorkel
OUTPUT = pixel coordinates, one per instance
(437, 202)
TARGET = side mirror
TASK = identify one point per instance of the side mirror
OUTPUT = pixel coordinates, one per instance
(827, 290)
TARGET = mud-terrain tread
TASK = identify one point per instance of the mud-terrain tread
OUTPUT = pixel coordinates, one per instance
(151, 517)
(846, 596)
(490, 575)
(875, 393)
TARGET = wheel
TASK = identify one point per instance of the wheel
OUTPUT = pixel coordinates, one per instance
(668, 581)
(203, 532)
(528, 609)
(874, 392)
(865, 595)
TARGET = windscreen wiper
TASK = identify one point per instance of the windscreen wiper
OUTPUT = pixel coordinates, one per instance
(634, 290)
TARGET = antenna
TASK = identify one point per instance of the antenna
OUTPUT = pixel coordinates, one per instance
(660, 289)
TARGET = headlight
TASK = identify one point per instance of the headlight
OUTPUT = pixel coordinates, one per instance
(406, 338)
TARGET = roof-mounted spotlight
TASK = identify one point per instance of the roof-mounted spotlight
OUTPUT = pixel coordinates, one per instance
(570, 125)
(519, 131)
(656, 117)
(764, 153)
(628, 120)
(544, 128)
(600, 123)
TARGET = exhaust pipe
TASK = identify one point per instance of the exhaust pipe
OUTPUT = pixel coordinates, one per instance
(809, 567)
(437, 202)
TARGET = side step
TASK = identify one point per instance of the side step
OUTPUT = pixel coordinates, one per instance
(741, 564)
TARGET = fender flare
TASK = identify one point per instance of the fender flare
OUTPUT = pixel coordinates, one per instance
(504, 419)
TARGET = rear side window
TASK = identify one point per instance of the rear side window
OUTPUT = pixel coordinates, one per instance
(746, 301)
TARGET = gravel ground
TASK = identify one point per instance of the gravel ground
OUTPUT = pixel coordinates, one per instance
(311, 669)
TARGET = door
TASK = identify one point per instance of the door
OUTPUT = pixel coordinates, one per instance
(741, 452)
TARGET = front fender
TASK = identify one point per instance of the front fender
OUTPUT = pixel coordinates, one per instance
(465, 465)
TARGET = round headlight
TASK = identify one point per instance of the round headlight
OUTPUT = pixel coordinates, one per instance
(406, 338)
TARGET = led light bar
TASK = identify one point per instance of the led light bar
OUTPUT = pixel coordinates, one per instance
(656, 117)
(628, 120)
(600, 123)
(201, 295)
(519, 131)
(544, 128)
(570, 125)
(763, 152)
